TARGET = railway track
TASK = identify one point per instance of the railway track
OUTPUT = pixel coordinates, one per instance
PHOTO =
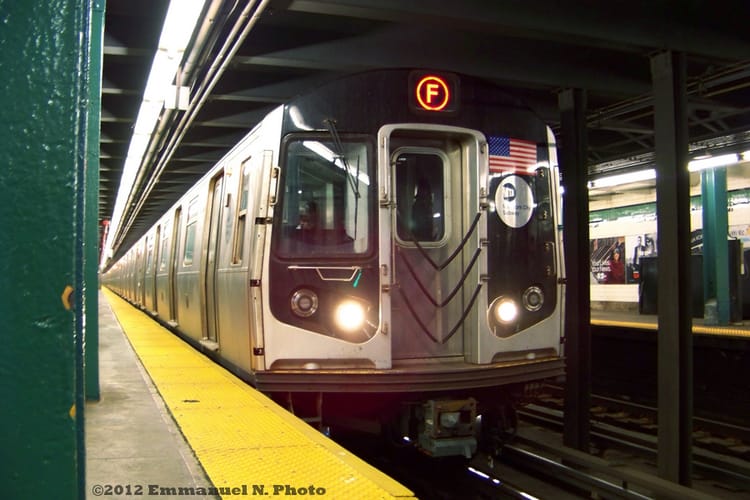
(534, 464)
(720, 450)
(725, 438)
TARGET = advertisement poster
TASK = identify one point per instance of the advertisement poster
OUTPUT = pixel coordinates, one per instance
(617, 260)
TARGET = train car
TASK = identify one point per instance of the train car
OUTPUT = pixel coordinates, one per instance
(384, 251)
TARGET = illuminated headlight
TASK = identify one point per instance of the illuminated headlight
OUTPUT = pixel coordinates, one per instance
(533, 298)
(505, 310)
(450, 419)
(350, 316)
(304, 303)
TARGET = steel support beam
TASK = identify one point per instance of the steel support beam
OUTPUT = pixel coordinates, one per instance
(574, 170)
(675, 360)
(43, 137)
(91, 217)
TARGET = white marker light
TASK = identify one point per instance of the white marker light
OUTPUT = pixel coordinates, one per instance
(506, 311)
(350, 316)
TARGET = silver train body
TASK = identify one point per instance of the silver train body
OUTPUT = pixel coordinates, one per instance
(387, 245)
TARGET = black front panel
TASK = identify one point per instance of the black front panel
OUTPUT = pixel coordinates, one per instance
(325, 238)
(365, 102)
(521, 251)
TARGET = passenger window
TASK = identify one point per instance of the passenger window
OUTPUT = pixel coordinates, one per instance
(192, 219)
(149, 253)
(164, 248)
(420, 196)
(242, 202)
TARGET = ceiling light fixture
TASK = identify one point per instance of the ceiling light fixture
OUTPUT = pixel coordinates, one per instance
(179, 25)
(619, 179)
(712, 162)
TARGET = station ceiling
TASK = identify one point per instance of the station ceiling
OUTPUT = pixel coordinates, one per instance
(254, 55)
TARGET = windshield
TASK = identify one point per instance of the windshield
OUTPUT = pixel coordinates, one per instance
(327, 190)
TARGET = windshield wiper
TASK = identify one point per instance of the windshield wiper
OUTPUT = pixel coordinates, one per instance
(339, 150)
(352, 178)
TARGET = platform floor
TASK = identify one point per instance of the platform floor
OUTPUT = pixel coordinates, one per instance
(198, 426)
(132, 442)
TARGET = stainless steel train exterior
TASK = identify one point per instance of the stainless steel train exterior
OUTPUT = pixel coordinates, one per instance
(387, 245)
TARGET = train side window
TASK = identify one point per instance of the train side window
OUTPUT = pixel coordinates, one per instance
(149, 253)
(163, 253)
(420, 196)
(192, 219)
(242, 201)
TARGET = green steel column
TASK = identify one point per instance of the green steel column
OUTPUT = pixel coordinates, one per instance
(43, 47)
(715, 247)
(91, 247)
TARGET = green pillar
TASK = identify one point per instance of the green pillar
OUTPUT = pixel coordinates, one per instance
(43, 48)
(715, 247)
(91, 222)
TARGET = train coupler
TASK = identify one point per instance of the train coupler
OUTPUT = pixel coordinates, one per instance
(447, 427)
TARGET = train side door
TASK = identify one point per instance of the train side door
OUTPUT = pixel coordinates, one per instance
(212, 258)
(430, 222)
(155, 270)
(173, 256)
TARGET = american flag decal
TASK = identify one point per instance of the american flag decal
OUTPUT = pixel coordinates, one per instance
(511, 155)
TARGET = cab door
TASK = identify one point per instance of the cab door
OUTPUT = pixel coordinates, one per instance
(431, 239)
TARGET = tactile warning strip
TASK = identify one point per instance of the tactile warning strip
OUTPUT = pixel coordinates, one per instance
(728, 331)
(241, 437)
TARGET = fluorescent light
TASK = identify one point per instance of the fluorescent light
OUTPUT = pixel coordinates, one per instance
(180, 15)
(148, 115)
(712, 162)
(179, 25)
(163, 69)
(616, 180)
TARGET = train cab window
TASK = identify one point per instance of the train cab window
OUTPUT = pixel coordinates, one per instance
(327, 193)
(420, 196)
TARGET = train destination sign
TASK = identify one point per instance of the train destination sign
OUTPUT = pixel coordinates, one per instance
(433, 92)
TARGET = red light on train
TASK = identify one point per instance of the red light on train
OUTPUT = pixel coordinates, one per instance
(433, 92)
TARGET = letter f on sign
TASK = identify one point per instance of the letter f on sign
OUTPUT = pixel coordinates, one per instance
(432, 91)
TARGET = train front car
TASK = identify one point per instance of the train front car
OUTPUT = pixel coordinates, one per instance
(414, 267)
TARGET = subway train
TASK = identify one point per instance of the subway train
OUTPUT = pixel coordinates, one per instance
(383, 252)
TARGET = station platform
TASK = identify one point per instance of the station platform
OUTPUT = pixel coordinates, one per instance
(172, 423)
(627, 319)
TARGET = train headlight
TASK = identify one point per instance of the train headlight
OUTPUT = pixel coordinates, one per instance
(504, 309)
(533, 298)
(304, 303)
(350, 316)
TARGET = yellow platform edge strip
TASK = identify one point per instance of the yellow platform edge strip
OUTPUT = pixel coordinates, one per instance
(702, 330)
(240, 436)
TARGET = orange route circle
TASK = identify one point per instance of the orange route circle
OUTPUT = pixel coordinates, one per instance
(433, 86)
